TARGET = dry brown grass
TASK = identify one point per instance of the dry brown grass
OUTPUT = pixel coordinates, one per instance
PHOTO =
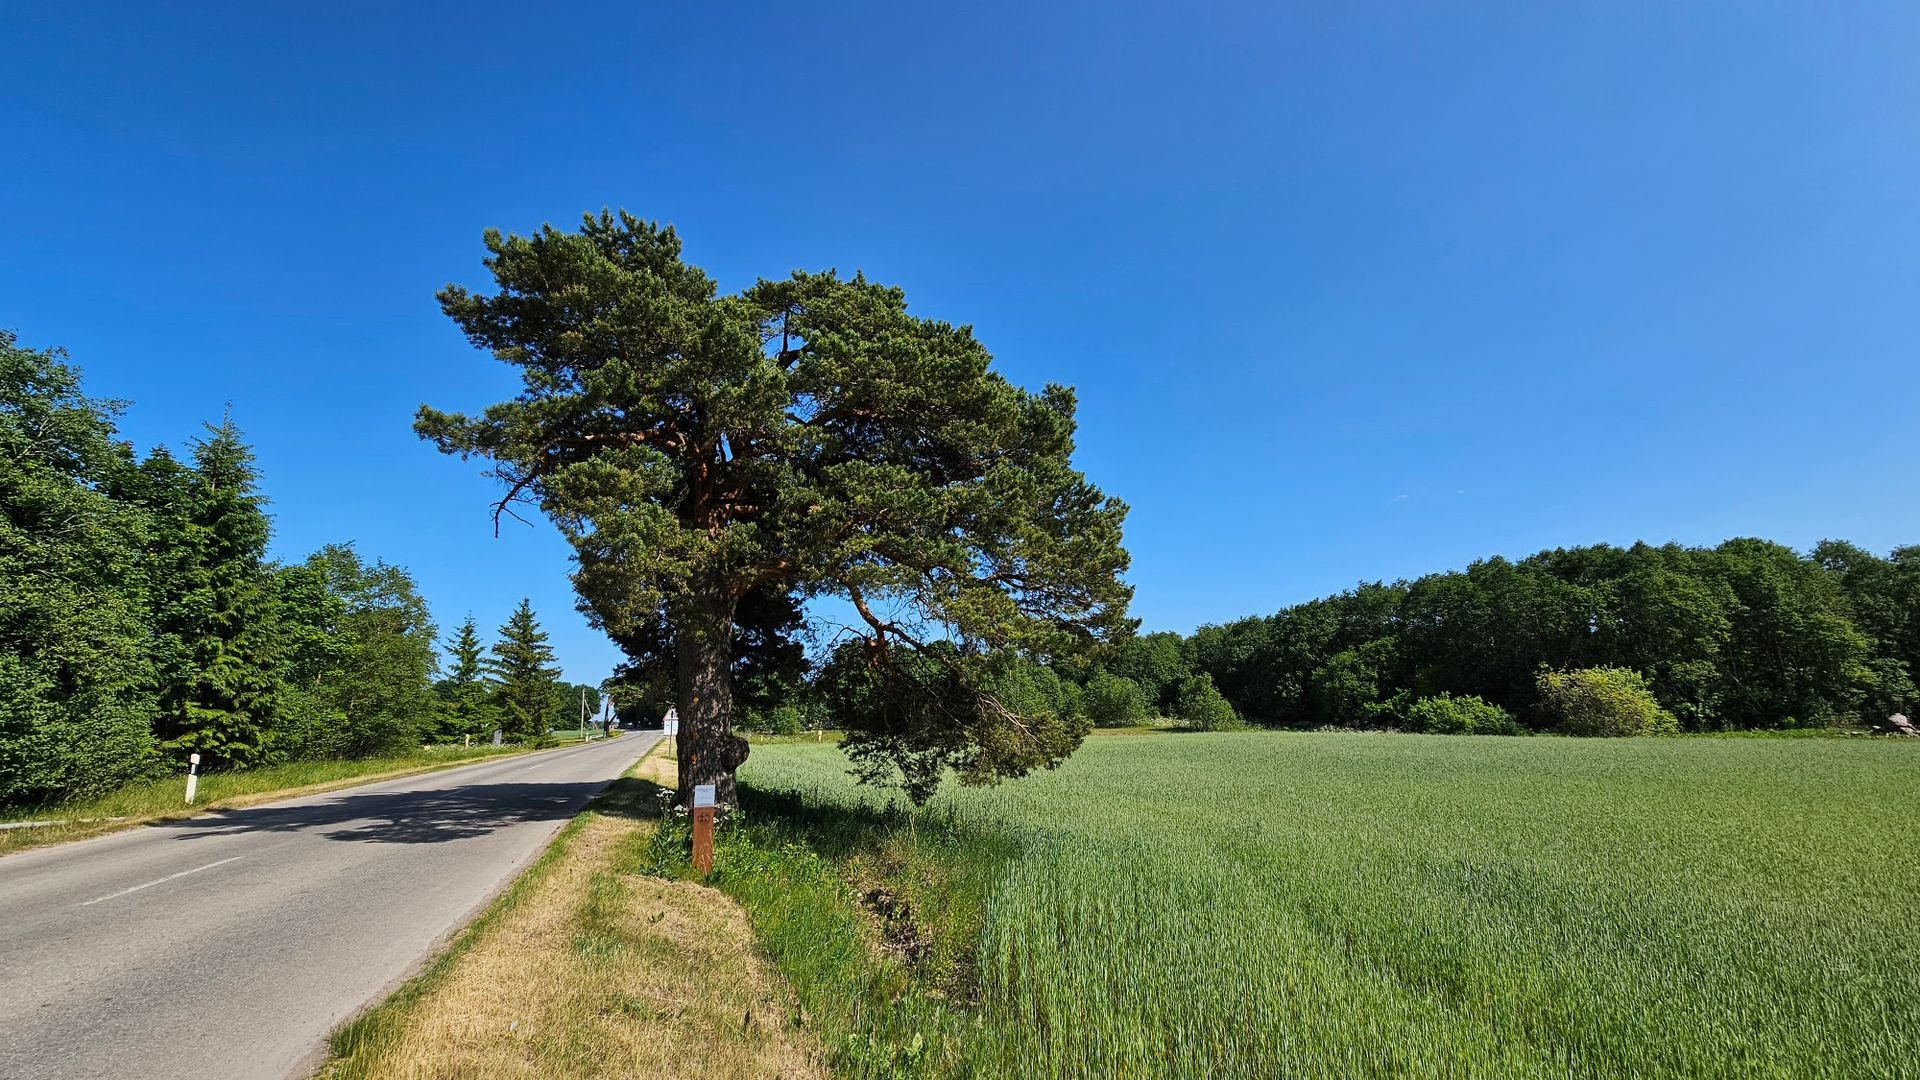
(590, 968)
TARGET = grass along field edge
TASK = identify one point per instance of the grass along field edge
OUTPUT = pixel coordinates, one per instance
(873, 918)
(163, 800)
(589, 965)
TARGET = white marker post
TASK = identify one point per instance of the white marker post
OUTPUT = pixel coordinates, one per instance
(193, 776)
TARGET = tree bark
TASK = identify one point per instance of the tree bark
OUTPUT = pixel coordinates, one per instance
(709, 751)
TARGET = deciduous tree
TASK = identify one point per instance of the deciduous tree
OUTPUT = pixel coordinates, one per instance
(74, 681)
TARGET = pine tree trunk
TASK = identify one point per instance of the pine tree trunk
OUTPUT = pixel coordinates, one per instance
(710, 753)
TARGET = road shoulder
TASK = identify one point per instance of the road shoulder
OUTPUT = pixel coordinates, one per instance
(588, 966)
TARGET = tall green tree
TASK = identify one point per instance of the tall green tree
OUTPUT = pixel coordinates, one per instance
(380, 681)
(1884, 595)
(570, 701)
(75, 702)
(809, 436)
(220, 611)
(1157, 664)
(308, 617)
(163, 486)
(466, 695)
(1794, 655)
(527, 681)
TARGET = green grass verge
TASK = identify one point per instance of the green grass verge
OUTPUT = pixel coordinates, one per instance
(872, 918)
(1265, 904)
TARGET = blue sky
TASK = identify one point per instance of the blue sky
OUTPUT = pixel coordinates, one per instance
(1348, 291)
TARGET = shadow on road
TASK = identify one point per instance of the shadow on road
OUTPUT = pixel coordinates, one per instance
(405, 817)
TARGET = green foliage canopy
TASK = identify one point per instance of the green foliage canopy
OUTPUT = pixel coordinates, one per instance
(1602, 702)
(1444, 714)
(809, 436)
(467, 709)
(1115, 700)
(1748, 634)
(74, 714)
(1199, 705)
(363, 655)
(140, 620)
(218, 610)
(528, 690)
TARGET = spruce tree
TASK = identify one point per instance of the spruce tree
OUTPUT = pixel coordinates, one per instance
(220, 611)
(466, 695)
(528, 680)
(163, 486)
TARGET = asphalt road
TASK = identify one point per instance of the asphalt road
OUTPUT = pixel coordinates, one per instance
(228, 945)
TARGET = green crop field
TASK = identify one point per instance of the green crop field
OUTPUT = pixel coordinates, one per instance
(1271, 904)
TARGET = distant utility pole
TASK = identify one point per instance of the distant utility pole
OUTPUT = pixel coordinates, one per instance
(583, 714)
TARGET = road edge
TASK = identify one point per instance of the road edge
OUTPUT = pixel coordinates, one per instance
(115, 826)
(432, 969)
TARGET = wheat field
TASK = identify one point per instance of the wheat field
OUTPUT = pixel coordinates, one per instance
(1274, 904)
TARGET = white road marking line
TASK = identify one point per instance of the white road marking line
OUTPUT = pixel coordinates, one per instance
(160, 881)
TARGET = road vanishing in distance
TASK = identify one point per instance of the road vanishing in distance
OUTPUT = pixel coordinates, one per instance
(230, 944)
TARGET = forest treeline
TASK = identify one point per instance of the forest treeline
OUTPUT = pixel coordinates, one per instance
(1749, 634)
(1596, 640)
(141, 619)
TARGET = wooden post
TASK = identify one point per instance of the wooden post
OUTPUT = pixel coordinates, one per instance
(703, 828)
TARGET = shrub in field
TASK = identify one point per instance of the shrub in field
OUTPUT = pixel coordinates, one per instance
(1602, 701)
(1114, 701)
(785, 718)
(1032, 689)
(1200, 706)
(1444, 714)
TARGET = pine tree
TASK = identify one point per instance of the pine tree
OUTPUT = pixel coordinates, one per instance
(466, 694)
(528, 679)
(220, 611)
(808, 437)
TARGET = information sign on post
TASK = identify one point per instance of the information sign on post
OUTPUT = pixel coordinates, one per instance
(703, 828)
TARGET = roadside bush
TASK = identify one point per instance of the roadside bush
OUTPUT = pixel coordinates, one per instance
(1115, 701)
(1199, 706)
(1444, 714)
(1602, 702)
(785, 718)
